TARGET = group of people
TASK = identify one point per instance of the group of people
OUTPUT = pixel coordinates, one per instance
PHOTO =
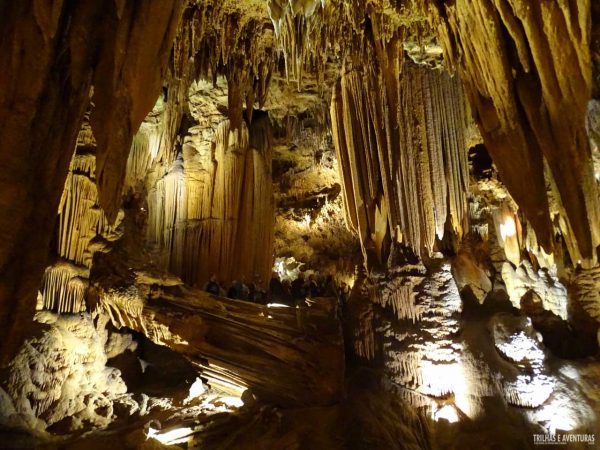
(287, 292)
(239, 289)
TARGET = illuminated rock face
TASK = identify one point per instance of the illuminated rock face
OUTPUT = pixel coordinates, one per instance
(421, 350)
(455, 359)
(82, 230)
(403, 166)
(210, 204)
(61, 375)
(524, 279)
(527, 74)
(586, 295)
(58, 54)
(200, 175)
(284, 355)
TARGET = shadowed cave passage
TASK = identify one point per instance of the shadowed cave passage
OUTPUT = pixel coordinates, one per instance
(299, 224)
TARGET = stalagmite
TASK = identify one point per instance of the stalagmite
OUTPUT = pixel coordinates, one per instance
(61, 375)
(403, 167)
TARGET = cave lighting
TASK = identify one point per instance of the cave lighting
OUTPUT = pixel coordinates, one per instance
(446, 412)
(231, 401)
(306, 220)
(174, 436)
(508, 228)
(196, 390)
(277, 305)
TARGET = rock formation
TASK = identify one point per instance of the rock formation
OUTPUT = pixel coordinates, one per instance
(528, 79)
(403, 167)
(299, 223)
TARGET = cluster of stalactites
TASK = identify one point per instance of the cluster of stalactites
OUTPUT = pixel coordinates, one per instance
(82, 229)
(529, 89)
(311, 33)
(64, 288)
(228, 38)
(153, 148)
(214, 210)
(400, 140)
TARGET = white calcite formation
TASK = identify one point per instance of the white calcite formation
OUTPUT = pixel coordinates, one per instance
(421, 352)
(62, 374)
(517, 341)
(543, 282)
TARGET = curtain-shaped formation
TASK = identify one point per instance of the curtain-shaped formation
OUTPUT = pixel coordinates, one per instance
(400, 140)
(214, 211)
(64, 288)
(527, 72)
(82, 229)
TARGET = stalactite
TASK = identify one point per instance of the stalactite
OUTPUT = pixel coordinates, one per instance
(400, 294)
(402, 156)
(59, 52)
(80, 218)
(64, 287)
(527, 73)
(312, 33)
(222, 39)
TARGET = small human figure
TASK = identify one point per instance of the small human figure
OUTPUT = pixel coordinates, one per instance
(238, 290)
(212, 286)
(286, 293)
(328, 287)
(260, 293)
(275, 286)
(251, 291)
(298, 290)
(343, 298)
(232, 292)
(312, 288)
(245, 291)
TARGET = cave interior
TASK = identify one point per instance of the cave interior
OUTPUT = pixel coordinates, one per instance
(300, 224)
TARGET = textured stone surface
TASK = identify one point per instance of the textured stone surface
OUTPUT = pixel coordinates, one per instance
(527, 74)
(56, 55)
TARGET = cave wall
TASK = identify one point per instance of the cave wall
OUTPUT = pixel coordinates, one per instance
(527, 73)
(55, 53)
